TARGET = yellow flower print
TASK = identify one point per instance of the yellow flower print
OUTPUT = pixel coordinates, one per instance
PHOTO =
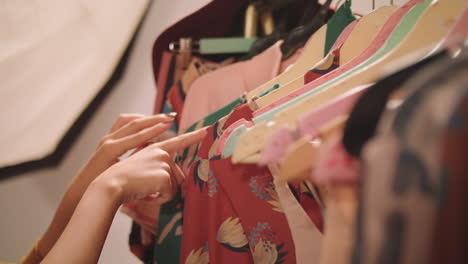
(264, 189)
(265, 253)
(199, 256)
(232, 235)
(203, 170)
(328, 63)
(204, 177)
(274, 199)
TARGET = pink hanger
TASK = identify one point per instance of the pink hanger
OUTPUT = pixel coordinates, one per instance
(344, 35)
(308, 125)
(459, 31)
(277, 145)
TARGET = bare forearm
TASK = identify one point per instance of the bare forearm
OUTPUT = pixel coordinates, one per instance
(84, 236)
(67, 206)
(128, 132)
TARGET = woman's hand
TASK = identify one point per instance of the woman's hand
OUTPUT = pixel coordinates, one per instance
(149, 172)
(128, 132)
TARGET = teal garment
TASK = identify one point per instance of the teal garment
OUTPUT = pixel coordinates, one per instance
(337, 23)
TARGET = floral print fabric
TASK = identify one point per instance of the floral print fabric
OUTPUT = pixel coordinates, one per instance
(232, 212)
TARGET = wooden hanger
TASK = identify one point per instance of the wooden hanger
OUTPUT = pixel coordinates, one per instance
(313, 52)
(372, 49)
(308, 125)
(301, 155)
(368, 26)
(438, 17)
(242, 151)
(231, 143)
(337, 126)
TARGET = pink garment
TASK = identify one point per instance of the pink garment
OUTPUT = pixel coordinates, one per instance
(376, 44)
(277, 145)
(459, 31)
(291, 60)
(310, 123)
(218, 88)
(334, 164)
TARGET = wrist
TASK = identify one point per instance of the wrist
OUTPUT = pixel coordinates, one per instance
(111, 188)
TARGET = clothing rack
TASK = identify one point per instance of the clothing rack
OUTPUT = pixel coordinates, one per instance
(313, 156)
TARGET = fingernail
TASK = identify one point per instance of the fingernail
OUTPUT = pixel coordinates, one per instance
(152, 197)
(172, 114)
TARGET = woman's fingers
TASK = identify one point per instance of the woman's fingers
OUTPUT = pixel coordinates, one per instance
(146, 237)
(123, 120)
(181, 142)
(122, 145)
(139, 124)
(177, 172)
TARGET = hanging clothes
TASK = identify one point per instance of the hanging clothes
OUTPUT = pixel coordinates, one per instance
(208, 180)
(372, 187)
(337, 24)
(449, 239)
(149, 221)
(268, 113)
(408, 180)
(385, 33)
(193, 231)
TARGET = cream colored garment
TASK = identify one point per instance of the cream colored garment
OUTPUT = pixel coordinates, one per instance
(55, 56)
(307, 238)
(336, 170)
